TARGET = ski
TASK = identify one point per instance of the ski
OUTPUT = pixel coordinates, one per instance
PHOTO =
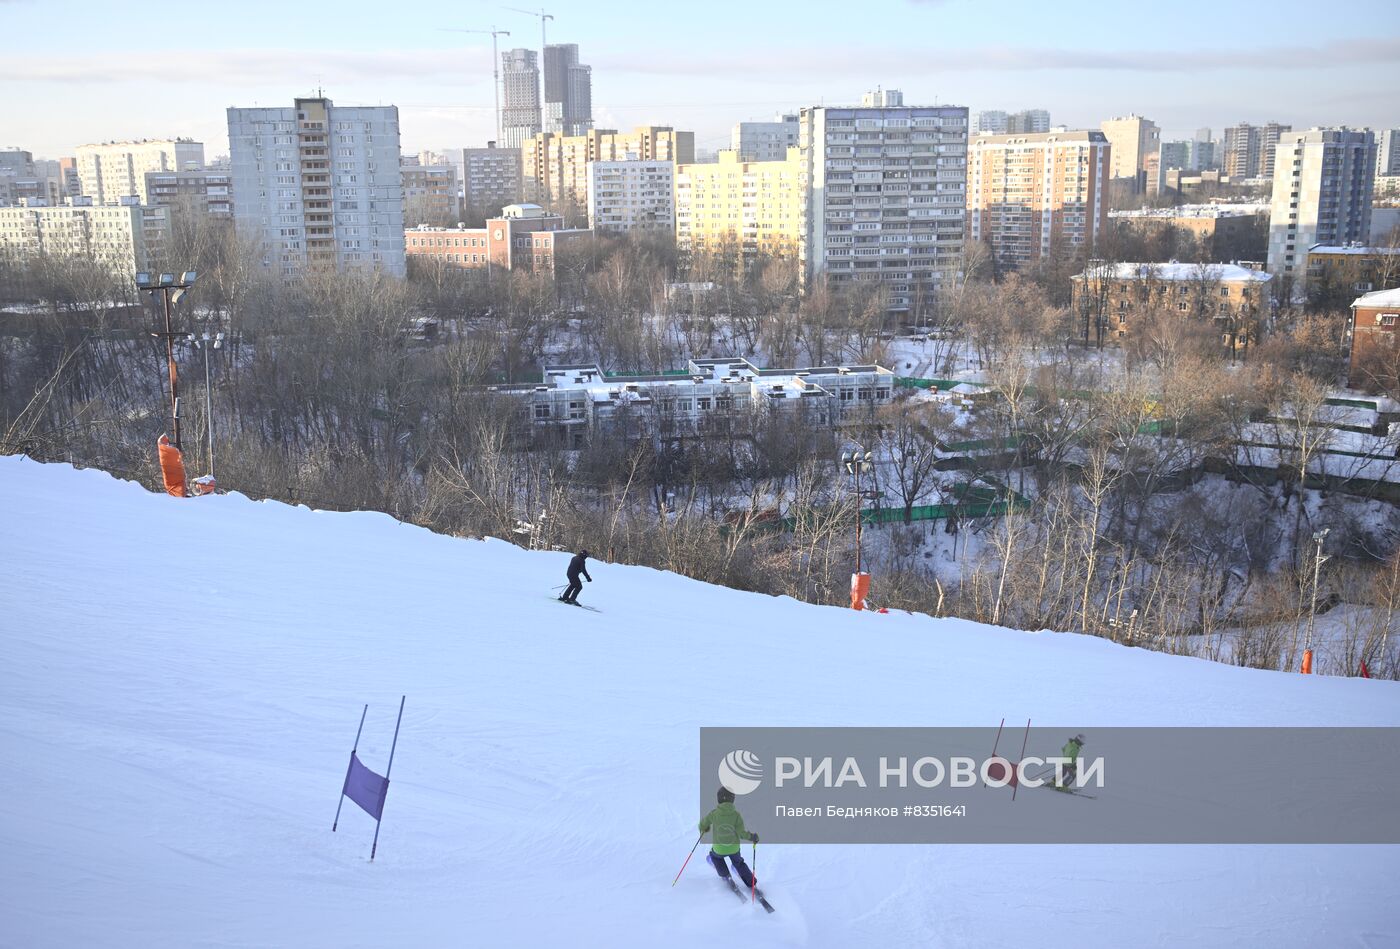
(763, 901)
(582, 606)
(1051, 787)
(743, 898)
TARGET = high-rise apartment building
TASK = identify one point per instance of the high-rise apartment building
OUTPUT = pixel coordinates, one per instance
(521, 115)
(996, 122)
(754, 207)
(631, 196)
(1030, 194)
(123, 238)
(1134, 142)
(115, 170)
(318, 184)
(205, 192)
(429, 193)
(568, 91)
(490, 180)
(16, 163)
(886, 195)
(1248, 150)
(1388, 152)
(764, 141)
(1323, 179)
(555, 167)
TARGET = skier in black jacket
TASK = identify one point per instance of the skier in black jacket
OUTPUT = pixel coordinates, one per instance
(576, 567)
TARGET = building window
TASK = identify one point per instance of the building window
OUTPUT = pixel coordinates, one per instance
(542, 411)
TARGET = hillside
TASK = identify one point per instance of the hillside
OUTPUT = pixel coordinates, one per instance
(181, 680)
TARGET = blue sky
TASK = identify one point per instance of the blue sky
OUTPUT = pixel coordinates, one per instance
(91, 71)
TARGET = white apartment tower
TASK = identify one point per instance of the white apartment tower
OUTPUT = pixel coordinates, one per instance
(520, 104)
(764, 141)
(631, 196)
(1323, 180)
(319, 185)
(568, 91)
(1388, 152)
(886, 195)
(112, 171)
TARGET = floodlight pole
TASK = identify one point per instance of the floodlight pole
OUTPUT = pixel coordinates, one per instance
(170, 362)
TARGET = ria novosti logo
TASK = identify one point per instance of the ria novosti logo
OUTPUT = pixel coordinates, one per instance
(741, 771)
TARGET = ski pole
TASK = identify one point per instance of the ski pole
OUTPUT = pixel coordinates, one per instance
(687, 858)
(753, 874)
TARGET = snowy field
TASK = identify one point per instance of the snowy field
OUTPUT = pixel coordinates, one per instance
(181, 680)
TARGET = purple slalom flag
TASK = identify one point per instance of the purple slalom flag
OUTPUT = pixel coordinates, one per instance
(363, 786)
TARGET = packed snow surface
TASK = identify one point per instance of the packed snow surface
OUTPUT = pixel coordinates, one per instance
(180, 682)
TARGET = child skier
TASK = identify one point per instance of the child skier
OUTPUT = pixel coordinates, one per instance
(1070, 751)
(726, 828)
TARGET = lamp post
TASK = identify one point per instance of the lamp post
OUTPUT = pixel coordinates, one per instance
(206, 343)
(170, 292)
(855, 464)
(1318, 560)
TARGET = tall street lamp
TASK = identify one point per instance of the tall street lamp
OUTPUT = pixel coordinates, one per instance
(206, 342)
(1318, 560)
(171, 292)
(857, 464)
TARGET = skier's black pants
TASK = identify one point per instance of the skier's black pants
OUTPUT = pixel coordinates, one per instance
(573, 590)
(740, 867)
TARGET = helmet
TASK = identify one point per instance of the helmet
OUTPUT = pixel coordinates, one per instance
(725, 796)
(583, 553)
(1079, 738)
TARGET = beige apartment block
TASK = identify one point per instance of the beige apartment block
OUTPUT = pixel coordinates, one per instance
(1027, 194)
(1133, 140)
(756, 206)
(554, 167)
(125, 238)
(112, 171)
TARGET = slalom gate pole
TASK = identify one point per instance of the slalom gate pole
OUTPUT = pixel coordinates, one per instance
(395, 745)
(687, 858)
(1022, 756)
(997, 742)
(753, 874)
(340, 803)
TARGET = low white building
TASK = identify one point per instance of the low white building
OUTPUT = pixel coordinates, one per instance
(711, 396)
(632, 195)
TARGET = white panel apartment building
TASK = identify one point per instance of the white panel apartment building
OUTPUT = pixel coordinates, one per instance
(490, 179)
(1323, 179)
(765, 141)
(886, 186)
(631, 196)
(319, 185)
(124, 238)
(115, 170)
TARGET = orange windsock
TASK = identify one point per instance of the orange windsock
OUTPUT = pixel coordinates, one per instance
(172, 468)
(860, 589)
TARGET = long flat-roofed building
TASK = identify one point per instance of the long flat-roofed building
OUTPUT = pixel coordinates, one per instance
(123, 238)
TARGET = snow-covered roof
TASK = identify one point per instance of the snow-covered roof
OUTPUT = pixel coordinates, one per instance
(1389, 297)
(1352, 249)
(1226, 273)
(1194, 211)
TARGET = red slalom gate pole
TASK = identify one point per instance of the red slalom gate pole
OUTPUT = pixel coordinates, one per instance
(687, 859)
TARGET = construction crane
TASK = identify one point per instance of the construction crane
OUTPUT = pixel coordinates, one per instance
(543, 17)
(495, 70)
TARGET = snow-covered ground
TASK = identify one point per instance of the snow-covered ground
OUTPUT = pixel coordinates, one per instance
(181, 681)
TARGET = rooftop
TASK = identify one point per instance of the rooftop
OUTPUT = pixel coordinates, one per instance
(1389, 297)
(1229, 273)
(1195, 211)
(1357, 249)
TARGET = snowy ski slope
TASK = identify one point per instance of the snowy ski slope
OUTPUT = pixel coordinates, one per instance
(180, 682)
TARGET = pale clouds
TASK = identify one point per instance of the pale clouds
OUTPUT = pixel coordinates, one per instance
(857, 60)
(253, 66)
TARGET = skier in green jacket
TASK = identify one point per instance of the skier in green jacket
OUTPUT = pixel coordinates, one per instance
(1070, 751)
(725, 826)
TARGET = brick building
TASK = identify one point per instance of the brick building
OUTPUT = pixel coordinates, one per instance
(1112, 293)
(524, 236)
(1375, 318)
